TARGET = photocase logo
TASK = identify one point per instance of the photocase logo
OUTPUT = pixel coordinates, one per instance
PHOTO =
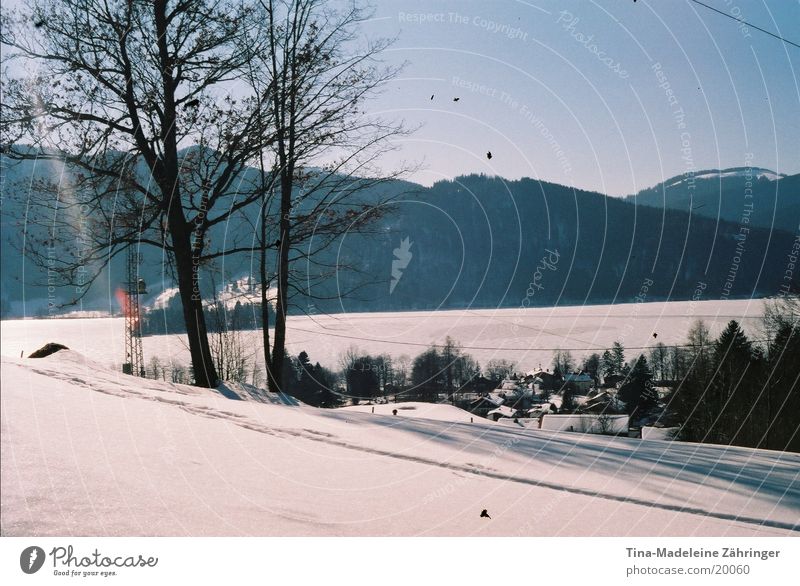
(402, 256)
(31, 559)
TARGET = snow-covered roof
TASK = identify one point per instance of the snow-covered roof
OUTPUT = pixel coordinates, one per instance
(496, 398)
(663, 391)
(601, 396)
(493, 399)
(538, 411)
(503, 411)
(577, 377)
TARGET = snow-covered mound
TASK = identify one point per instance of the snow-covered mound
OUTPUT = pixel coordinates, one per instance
(88, 451)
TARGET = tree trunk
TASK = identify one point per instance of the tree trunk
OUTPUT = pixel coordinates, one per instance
(187, 253)
(279, 343)
(187, 269)
(268, 364)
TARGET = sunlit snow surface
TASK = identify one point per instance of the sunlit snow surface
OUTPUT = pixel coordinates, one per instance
(525, 336)
(89, 451)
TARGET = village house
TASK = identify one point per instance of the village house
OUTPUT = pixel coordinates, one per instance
(502, 411)
(543, 378)
(579, 382)
(600, 402)
(483, 405)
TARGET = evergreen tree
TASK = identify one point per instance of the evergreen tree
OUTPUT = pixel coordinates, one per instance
(618, 357)
(607, 364)
(781, 391)
(307, 390)
(591, 365)
(427, 378)
(326, 381)
(362, 379)
(567, 400)
(289, 377)
(638, 393)
(732, 392)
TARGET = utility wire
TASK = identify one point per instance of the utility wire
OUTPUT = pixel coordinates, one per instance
(742, 21)
(423, 345)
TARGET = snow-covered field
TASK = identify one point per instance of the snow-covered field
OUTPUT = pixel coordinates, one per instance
(89, 451)
(527, 336)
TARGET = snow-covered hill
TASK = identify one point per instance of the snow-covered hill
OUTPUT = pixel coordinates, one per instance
(89, 451)
(766, 198)
(749, 173)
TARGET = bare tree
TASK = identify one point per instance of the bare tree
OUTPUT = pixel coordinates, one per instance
(780, 312)
(699, 351)
(178, 373)
(498, 369)
(563, 362)
(659, 357)
(157, 370)
(304, 58)
(228, 347)
(605, 423)
(117, 91)
(401, 372)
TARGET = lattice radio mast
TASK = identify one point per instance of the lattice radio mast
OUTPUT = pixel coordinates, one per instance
(133, 325)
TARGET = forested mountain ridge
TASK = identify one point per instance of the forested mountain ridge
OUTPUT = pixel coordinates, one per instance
(482, 241)
(476, 241)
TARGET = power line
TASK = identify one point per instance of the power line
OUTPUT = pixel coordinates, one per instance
(423, 345)
(742, 21)
(611, 316)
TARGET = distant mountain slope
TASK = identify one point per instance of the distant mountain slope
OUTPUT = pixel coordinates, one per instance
(722, 194)
(28, 291)
(480, 241)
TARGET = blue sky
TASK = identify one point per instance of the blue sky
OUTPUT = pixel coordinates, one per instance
(575, 92)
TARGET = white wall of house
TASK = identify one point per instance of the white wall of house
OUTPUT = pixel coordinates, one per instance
(659, 433)
(586, 423)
